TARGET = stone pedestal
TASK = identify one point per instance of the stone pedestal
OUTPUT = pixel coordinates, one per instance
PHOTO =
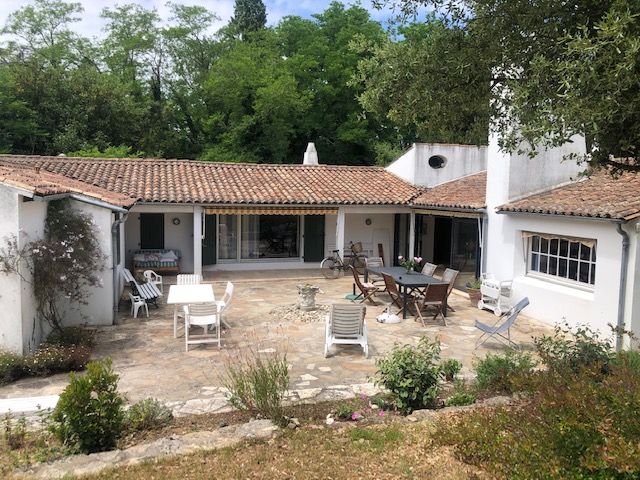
(307, 295)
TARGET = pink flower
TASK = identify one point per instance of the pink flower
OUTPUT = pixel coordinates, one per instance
(381, 413)
(355, 416)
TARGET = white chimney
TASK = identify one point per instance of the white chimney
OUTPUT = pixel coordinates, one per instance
(310, 156)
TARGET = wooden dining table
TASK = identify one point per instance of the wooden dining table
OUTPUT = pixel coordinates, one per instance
(407, 281)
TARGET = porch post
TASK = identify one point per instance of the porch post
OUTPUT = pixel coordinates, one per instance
(340, 232)
(412, 234)
(197, 240)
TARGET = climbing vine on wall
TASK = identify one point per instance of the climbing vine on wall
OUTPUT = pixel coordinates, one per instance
(61, 265)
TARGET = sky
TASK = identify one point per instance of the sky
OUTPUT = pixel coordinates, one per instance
(91, 23)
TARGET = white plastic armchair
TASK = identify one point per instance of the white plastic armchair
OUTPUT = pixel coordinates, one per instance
(345, 325)
(138, 302)
(223, 303)
(152, 277)
(203, 315)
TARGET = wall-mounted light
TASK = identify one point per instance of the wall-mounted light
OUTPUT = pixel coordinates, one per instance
(367, 221)
(176, 221)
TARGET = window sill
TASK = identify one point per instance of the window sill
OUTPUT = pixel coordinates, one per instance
(542, 281)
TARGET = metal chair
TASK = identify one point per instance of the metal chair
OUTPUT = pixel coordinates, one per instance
(504, 324)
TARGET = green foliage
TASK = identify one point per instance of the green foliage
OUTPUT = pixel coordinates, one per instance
(14, 435)
(411, 374)
(122, 151)
(574, 349)
(451, 367)
(502, 372)
(257, 382)
(345, 410)
(573, 425)
(461, 396)
(11, 367)
(376, 439)
(89, 414)
(147, 414)
(72, 336)
(627, 360)
(248, 16)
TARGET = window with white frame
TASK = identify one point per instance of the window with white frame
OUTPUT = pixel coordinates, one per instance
(565, 258)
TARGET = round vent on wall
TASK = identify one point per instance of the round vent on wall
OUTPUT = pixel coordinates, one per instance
(437, 161)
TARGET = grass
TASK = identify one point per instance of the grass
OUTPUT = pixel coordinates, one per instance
(391, 451)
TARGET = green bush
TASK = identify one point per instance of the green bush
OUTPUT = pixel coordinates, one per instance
(411, 374)
(627, 358)
(500, 373)
(147, 414)
(460, 396)
(257, 382)
(451, 367)
(50, 359)
(574, 349)
(89, 414)
(11, 367)
(72, 336)
(576, 425)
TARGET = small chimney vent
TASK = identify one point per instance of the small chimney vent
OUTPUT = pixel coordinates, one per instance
(311, 155)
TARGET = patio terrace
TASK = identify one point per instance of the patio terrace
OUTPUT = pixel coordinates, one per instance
(152, 363)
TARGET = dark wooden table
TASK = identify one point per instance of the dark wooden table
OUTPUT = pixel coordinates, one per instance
(407, 282)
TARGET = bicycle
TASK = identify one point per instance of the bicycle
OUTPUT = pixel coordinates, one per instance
(333, 266)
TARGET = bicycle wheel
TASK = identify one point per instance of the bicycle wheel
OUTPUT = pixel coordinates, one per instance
(330, 268)
(359, 264)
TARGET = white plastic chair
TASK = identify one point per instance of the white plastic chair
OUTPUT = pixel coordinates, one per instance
(189, 279)
(152, 277)
(203, 315)
(224, 302)
(345, 325)
(136, 303)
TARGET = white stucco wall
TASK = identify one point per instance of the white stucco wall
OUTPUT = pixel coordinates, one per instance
(10, 288)
(356, 230)
(461, 160)
(175, 236)
(632, 297)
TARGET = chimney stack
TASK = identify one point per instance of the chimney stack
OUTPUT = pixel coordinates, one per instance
(310, 156)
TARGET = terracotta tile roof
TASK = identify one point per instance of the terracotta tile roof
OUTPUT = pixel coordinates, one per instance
(43, 183)
(463, 193)
(599, 196)
(190, 181)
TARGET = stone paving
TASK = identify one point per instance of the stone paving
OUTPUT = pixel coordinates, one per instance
(152, 363)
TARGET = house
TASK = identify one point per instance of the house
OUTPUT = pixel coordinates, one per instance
(475, 209)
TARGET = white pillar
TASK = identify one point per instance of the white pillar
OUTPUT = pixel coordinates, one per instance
(197, 240)
(412, 234)
(340, 232)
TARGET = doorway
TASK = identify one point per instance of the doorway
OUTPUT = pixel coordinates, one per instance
(152, 231)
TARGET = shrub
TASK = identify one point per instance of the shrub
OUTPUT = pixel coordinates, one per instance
(257, 382)
(411, 374)
(460, 396)
(89, 414)
(147, 414)
(11, 367)
(72, 336)
(451, 367)
(49, 359)
(14, 436)
(571, 426)
(344, 411)
(629, 359)
(574, 349)
(500, 373)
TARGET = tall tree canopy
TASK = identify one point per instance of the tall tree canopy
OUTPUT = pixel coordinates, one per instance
(557, 69)
(248, 16)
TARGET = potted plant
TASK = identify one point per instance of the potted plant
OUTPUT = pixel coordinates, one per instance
(410, 265)
(473, 289)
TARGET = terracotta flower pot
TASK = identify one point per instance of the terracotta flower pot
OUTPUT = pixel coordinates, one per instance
(474, 296)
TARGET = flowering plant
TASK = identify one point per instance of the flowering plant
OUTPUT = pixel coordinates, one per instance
(410, 264)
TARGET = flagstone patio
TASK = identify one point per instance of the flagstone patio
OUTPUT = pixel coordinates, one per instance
(152, 363)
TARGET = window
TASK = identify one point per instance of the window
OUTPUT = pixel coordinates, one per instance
(437, 161)
(269, 236)
(565, 258)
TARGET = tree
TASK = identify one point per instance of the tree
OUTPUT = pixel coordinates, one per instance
(557, 69)
(248, 16)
